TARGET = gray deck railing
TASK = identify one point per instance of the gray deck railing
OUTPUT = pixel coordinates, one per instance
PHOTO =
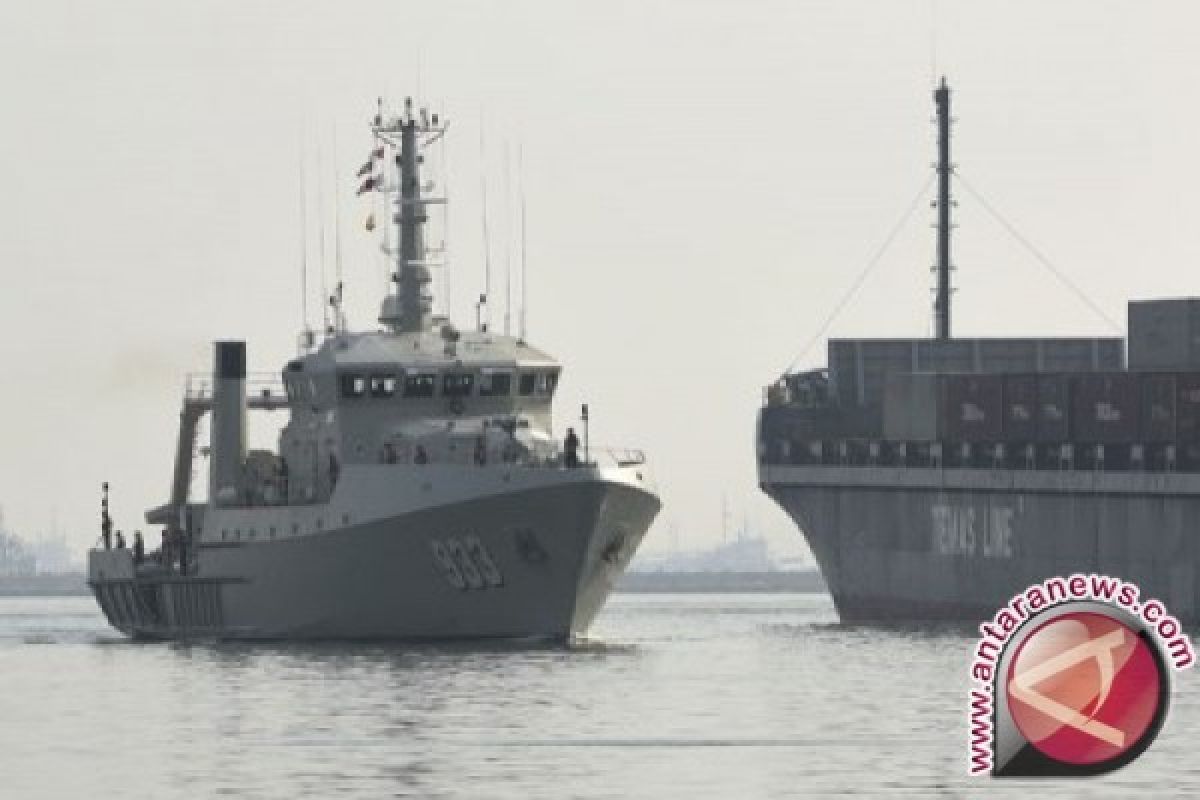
(537, 459)
(264, 390)
(1089, 457)
(616, 456)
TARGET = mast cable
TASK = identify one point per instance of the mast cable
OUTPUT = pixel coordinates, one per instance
(321, 240)
(445, 187)
(303, 242)
(524, 273)
(862, 275)
(1037, 254)
(337, 233)
(507, 239)
(487, 242)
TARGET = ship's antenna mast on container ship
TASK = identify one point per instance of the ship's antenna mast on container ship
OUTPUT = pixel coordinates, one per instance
(941, 303)
(408, 308)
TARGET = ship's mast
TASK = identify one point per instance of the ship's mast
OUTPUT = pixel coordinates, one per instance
(941, 303)
(408, 308)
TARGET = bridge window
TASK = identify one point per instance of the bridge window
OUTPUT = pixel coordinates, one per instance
(418, 386)
(495, 384)
(538, 382)
(383, 385)
(457, 384)
(353, 385)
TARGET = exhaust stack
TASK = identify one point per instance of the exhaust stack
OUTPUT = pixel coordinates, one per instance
(227, 444)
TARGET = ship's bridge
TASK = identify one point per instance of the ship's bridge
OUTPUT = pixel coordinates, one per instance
(421, 397)
(380, 379)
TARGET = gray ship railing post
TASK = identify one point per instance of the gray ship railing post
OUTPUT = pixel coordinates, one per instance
(105, 518)
(583, 417)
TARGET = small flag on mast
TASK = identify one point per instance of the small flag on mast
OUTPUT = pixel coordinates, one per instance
(365, 169)
(377, 152)
(367, 185)
(370, 221)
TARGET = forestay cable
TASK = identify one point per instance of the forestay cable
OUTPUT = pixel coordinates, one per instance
(862, 275)
(1037, 254)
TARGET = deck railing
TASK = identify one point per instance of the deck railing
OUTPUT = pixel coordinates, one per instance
(981, 455)
(263, 390)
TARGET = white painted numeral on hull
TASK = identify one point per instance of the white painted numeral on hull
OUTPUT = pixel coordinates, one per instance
(466, 563)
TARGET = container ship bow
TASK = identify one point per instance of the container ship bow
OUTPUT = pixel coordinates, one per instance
(934, 478)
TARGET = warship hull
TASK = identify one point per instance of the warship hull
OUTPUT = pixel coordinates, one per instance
(908, 545)
(537, 562)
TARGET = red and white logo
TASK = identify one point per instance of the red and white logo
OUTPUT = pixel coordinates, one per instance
(1084, 688)
(1071, 677)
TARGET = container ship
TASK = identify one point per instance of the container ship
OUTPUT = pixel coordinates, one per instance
(934, 478)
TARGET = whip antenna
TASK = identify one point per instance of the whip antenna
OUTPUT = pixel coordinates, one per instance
(507, 240)
(524, 273)
(339, 317)
(482, 312)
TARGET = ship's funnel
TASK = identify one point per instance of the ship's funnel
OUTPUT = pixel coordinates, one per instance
(227, 444)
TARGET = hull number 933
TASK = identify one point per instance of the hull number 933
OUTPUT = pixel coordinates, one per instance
(465, 563)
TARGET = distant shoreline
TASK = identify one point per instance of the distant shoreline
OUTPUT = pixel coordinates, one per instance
(73, 584)
(59, 585)
(712, 582)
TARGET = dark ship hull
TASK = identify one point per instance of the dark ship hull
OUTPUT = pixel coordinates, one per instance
(909, 545)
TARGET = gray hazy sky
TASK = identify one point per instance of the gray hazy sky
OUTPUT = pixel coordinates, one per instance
(704, 181)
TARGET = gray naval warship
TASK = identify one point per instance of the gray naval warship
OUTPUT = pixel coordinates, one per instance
(934, 478)
(418, 490)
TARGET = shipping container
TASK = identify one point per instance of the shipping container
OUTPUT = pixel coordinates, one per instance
(946, 355)
(1164, 334)
(1106, 408)
(1053, 409)
(973, 408)
(1020, 408)
(1081, 355)
(858, 368)
(817, 424)
(910, 407)
(1158, 408)
(1187, 407)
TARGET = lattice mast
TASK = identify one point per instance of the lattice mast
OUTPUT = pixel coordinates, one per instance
(941, 303)
(403, 141)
